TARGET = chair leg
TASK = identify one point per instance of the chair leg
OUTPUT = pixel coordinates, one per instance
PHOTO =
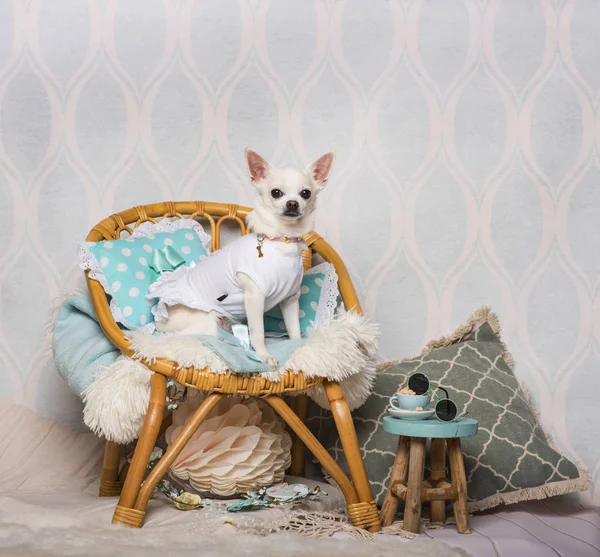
(123, 472)
(166, 424)
(313, 445)
(125, 512)
(459, 482)
(390, 504)
(110, 486)
(364, 516)
(416, 466)
(345, 426)
(174, 450)
(300, 408)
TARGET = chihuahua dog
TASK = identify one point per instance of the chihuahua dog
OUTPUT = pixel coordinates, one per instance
(255, 272)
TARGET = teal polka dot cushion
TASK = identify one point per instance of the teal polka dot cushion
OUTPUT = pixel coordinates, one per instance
(123, 266)
(319, 295)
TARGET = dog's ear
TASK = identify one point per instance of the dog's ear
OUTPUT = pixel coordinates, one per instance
(258, 167)
(321, 168)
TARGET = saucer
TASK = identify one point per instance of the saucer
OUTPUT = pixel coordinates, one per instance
(411, 414)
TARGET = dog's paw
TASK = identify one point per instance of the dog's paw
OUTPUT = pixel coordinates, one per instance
(268, 359)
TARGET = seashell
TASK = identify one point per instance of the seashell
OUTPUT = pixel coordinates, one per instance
(188, 501)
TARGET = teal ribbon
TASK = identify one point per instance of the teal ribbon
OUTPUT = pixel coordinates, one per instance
(166, 259)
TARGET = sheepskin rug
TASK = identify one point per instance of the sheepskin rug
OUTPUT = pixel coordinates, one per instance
(342, 349)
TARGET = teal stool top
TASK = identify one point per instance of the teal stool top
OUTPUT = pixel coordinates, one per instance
(431, 429)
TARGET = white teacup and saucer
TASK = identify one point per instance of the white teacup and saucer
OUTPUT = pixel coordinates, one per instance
(403, 406)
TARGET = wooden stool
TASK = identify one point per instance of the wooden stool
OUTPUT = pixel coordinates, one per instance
(411, 458)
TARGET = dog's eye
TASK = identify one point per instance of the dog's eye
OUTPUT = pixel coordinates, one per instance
(276, 194)
(305, 194)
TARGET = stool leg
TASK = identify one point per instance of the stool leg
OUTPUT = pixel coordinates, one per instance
(416, 465)
(459, 481)
(390, 504)
(438, 475)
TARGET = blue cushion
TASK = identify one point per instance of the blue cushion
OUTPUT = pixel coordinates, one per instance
(123, 266)
(318, 300)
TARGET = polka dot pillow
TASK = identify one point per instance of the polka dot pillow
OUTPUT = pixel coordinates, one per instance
(122, 267)
(319, 296)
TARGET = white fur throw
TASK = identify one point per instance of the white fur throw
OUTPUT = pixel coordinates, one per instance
(342, 349)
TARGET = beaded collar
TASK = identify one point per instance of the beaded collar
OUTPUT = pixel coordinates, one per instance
(280, 238)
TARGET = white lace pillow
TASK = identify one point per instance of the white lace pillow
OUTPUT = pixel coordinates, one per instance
(319, 296)
(125, 268)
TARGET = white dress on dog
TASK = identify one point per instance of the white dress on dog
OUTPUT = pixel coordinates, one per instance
(212, 285)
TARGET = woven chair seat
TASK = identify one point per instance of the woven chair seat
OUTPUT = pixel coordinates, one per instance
(232, 384)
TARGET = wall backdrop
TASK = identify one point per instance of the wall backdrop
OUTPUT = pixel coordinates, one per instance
(468, 172)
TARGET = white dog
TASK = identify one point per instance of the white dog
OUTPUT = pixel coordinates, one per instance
(255, 272)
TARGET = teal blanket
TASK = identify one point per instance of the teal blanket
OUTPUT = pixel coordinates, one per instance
(81, 348)
(244, 360)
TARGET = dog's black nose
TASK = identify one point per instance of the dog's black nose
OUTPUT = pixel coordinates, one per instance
(292, 205)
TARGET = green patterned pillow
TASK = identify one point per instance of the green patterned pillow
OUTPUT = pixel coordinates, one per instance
(511, 458)
(318, 300)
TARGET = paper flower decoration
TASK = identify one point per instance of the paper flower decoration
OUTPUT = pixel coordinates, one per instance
(241, 445)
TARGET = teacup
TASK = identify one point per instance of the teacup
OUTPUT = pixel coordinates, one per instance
(409, 402)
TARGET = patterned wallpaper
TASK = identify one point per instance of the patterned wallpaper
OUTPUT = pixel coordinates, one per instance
(467, 171)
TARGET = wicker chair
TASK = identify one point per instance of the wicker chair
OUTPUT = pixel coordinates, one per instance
(129, 482)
